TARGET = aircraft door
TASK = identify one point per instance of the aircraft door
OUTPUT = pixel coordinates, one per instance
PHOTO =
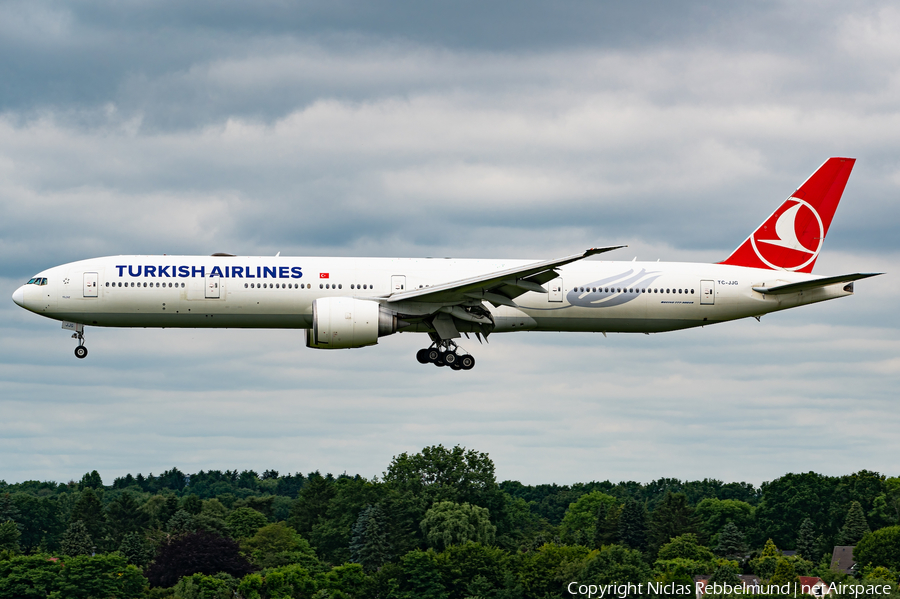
(212, 288)
(90, 284)
(398, 283)
(707, 293)
(556, 290)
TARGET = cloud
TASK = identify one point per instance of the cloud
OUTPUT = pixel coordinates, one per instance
(458, 130)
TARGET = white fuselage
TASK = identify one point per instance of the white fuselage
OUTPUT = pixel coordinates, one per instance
(278, 292)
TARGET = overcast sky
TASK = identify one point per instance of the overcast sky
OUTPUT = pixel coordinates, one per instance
(505, 129)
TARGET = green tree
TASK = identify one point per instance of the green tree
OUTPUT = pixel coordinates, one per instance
(203, 586)
(162, 508)
(806, 540)
(606, 527)
(683, 557)
(440, 474)
(244, 522)
(369, 545)
(879, 548)
(788, 500)
(545, 571)
(279, 545)
(731, 542)
(713, 514)
(579, 521)
(892, 498)
(77, 540)
(346, 579)
(421, 576)
(473, 568)
(726, 573)
(192, 504)
(180, 523)
(91, 480)
(286, 581)
(448, 523)
(78, 577)
(40, 519)
(686, 546)
(331, 533)
(133, 549)
(124, 515)
(784, 573)
(89, 510)
(85, 577)
(764, 565)
(633, 525)
(671, 518)
(8, 509)
(212, 518)
(615, 564)
(855, 525)
(312, 502)
(9, 536)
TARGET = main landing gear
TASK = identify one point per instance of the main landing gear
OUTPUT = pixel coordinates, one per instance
(81, 350)
(444, 353)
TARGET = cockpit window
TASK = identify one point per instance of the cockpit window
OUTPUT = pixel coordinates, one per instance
(31, 282)
(44, 281)
(37, 281)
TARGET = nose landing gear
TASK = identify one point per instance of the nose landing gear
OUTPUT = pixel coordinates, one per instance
(444, 353)
(80, 351)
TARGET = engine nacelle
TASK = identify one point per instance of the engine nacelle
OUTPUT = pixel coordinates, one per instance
(344, 322)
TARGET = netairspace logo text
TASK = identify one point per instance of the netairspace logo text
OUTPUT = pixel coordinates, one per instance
(622, 591)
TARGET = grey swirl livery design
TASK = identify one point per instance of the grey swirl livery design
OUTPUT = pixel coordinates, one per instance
(612, 291)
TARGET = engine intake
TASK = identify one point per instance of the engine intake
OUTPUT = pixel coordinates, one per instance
(345, 322)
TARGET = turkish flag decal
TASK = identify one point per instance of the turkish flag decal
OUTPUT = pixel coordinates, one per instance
(323, 275)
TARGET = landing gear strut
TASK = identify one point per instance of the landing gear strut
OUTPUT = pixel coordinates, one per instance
(81, 350)
(445, 353)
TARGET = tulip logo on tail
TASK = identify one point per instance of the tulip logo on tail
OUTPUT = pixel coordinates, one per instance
(780, 233)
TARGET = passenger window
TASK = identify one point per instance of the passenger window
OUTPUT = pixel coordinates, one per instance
(692, 292)
(107, 284)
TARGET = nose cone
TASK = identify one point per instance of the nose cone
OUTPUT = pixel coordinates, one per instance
(19, 296)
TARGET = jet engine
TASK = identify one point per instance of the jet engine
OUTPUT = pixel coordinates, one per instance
(344, 322)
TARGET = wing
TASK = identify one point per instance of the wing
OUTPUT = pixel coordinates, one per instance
(498, 287)
(815, 283)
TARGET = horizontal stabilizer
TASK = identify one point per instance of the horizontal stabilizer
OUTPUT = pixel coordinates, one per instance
(815, 283)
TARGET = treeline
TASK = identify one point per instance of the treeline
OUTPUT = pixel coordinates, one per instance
(437, 524)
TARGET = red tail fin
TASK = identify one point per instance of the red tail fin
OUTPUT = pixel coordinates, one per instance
(791, 238)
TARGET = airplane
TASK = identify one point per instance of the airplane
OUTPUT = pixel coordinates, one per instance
(353, 302)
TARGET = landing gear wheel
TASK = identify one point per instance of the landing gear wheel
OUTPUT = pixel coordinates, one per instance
(81, 352)
(422, 356)
(467, 362)
(433, 355)
(450, 358)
